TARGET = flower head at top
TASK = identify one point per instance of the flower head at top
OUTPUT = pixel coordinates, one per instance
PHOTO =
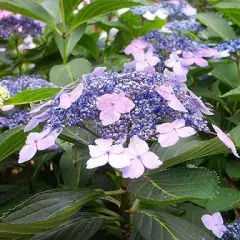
(112, 106)
(105, 152)
(214, 223)
(170, 133)
(37, 141)
(226, 140)
(168, 94)
(141, 158)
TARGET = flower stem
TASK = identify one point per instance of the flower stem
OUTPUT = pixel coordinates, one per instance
(117, 192)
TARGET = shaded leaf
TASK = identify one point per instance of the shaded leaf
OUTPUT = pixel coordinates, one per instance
(162, 226)
(64, 74)
(233, 94)
(217, 24)
(175, 185)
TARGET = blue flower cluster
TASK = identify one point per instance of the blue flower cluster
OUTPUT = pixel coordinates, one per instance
(184, 26)
(16, 117)
(232, 45)
(150, 108)
(17, 84)
(233, 232)
(19, 26)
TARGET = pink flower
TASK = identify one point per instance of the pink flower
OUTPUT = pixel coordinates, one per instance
(168, 94)
(112, 106)
(141, 157)
(175, 63)
(172, 77)
(226, 140)
(136, 46)
(4, 14)
(214, 223)
(105, 152)
(190, 58)
(34, 122)
(145, 61)
(188, 10)
(66, 99)
(170, 133)
(37, 141)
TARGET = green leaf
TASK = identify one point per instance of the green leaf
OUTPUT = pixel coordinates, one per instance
(233, 94)
(227, 73)
(232, 6)
(45, 211)
(11, 141)
(69, 6)
(226, 199)
(137, 26)
(73, 166)
(81, 228)
(100, 7)
(217, 24)
(64, 74)
(175, 185)
(198, 150)
(52, 6)
(29, 9)
(33, 95)
(90, 44)
(233, 169)
(162, 226)
(70, 41)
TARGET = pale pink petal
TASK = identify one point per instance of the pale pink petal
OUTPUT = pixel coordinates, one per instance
(104, 143)
(217, 231)
(139, 56)
(152, 60)
(179, 123)
(150, 160)
(201, 62)
(164, 128)
(170, 63)
(188, 55)
(119, 160)
(135, 170)
(46, 142)
(217, 218)
(139, 146)
(189, 10)
(32, 124)
(168, 139)
(185, 132)
(207, 221)
(140, 66)
(65, 101)
(109, 116)
(187, 61)
(179, 69)
(116, 149)
(7, 108)
(130, 152)
(175, 104)
(124, 105)
(76, 93)
(226, 140)
(97, 162)
(98, 71)
(165, 91)
(27, 152)
(140, 44)
(95, 151)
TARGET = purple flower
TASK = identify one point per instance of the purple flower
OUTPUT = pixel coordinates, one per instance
(112, 106)
(137, 46)
(105, 152)
(189, 58)
(66, 99)
(145, 61)
(168, 94)
(37, 141)
(226, 140)
(170, 133)
(172, 77)
(141, 157)
(175, 62)
(35, 121)
(214, 223)
(189, 11)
